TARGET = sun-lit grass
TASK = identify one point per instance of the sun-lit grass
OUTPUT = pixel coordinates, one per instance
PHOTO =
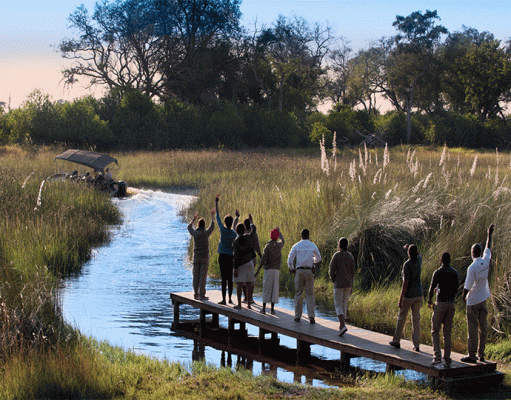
(441, 199)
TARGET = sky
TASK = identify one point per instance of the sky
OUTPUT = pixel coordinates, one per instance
(31, 30)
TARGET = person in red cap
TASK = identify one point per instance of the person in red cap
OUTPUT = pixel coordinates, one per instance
(270, 261)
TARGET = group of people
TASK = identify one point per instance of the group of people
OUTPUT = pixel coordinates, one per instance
(238, 249)
(445, 283)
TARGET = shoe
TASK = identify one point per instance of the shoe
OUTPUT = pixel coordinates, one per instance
(204, 298)
(481, 359)
(272, 312)
(262, 311)
(312, 320)
(237, 307)
(222, 302)
(343, 331)
(297, 319)
(230, 301)
(469, 360)
(447, 363)
(196, 296)
(395, 344)
(416, 349)
(436, 361)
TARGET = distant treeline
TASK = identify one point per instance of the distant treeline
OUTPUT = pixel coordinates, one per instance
(130, 120)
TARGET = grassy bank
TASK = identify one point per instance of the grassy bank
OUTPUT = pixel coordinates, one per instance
(440, 199)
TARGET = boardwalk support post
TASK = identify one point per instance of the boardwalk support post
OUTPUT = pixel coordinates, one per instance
(345, 361)
(303, 350)
(175, 323)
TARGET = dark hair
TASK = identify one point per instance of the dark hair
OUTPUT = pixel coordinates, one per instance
(305, 234)
(240, 229)
(343, 243)
(202, 223)
(228, 220)
(247, 224)
(477, 250)
(446, 259)
(413, 252)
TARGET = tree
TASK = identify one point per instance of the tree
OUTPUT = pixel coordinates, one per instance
(294, 51)
(477, 75)
(164, 48)
(411, 61)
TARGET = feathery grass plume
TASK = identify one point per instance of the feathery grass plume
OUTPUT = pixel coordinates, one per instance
(377, 176)
(361, 162)
(318, 188)
(386, 156)
(325, 167)
(497, 167)
(280, 194)
(474, 166)
(353, 170)
(334, 150)
(366, 155)
(443, 156)
(426, 181)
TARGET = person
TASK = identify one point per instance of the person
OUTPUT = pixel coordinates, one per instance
(243, 255)
(270, 261)
(108, 175)
(475, 292)
(302, 261)
(257, 250)
(445, 282)
(342, 273)
(411, 298)
(225, 257)
(200, 254)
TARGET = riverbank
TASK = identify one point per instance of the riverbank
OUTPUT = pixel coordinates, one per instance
(440, 199)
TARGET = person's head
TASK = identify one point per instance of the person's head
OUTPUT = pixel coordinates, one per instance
(343, 243)
(446, 259)
(477, 250)
(247, 224)
(274, 234)
(240, 229)
(228, 220)
(413, 252)
(305, 234)
(202, 223)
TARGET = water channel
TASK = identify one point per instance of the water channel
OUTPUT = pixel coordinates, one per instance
(122, 293)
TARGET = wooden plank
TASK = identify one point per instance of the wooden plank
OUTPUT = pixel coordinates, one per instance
(356, 342)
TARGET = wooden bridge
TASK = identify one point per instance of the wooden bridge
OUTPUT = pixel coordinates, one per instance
(357, 342)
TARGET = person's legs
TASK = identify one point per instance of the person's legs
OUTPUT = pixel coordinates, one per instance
(299, 288)
(482, 319)
(309, 294)
(401, 320)
(203, 279)
(448, 319)
(416, 321)
(436, 323)
(250, 293)
(239, 291)
(195, 279)
(223, 273)
(472, 328)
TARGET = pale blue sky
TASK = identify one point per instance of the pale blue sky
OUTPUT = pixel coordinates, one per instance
(31, 29)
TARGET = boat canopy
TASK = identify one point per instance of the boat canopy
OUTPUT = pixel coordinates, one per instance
(93, 160)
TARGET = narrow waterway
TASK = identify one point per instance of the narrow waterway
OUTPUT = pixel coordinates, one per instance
(122, 294)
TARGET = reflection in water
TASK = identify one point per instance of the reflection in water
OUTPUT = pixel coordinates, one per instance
(122, 294)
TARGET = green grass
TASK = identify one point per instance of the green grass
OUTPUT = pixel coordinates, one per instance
(435, 198)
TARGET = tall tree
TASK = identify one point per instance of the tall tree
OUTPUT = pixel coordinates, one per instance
(411, 62)
(165, 48)
(477, 75)
(294, 52)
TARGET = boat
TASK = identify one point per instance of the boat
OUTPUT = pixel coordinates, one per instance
(99, 178)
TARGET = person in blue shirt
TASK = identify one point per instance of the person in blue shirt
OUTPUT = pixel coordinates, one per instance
(225, 251)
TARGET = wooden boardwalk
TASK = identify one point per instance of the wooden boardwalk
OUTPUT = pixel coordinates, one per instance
(356, 342)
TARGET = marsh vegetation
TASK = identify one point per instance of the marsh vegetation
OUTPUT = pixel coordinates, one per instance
(439, 198)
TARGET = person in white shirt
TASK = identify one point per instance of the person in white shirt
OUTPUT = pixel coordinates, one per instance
(475, 293)
(302, 260)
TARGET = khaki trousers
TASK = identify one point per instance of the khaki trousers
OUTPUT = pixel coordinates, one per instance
(415, 305)
(200, 275)
(477, 328)
(304, 282)
(443, 314)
